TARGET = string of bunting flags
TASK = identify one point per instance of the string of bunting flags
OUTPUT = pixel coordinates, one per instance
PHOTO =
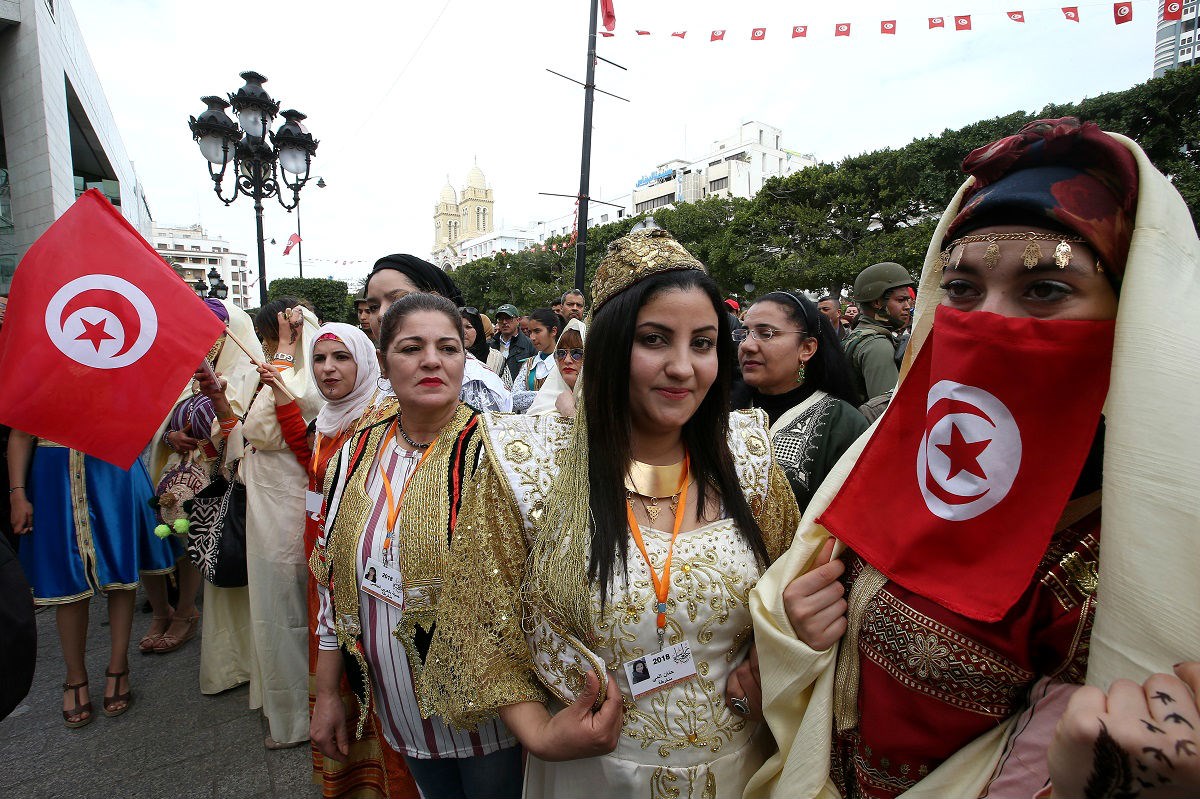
(1122, 12)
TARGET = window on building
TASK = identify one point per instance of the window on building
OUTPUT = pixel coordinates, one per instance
(179, 246)
(160, 245)
(777, 142)
(657, 202)
(214, 260)
(196, 247)
(718, 184)
(603, 218)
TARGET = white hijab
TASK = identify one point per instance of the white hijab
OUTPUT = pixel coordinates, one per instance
(337, 414)
(547, 395)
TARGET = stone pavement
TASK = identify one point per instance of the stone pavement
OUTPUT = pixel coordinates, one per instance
(173, 742)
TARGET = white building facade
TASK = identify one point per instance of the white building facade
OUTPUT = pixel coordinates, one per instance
(736, 167)
(192, 252)
(1175, 43)
(491, 243)
(59, 135)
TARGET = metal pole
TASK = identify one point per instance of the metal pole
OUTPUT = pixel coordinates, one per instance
(585, 165)
(262, 246)
(300, 239)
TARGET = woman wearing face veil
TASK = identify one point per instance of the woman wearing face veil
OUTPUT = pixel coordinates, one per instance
(1037, 312)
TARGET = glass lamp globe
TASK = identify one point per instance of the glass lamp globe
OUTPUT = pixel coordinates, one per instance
(294, 160)
(251, 121)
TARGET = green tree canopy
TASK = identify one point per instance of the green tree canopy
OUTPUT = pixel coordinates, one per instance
(331, 298)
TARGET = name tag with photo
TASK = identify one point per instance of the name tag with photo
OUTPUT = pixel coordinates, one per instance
(383, 583)
(660, 670)
(312, 503)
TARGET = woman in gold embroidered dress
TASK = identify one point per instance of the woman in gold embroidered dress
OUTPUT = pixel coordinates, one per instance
(644, 525)
(393, 495)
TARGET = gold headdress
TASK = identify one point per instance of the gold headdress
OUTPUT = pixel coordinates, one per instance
(556, 579)
(635, 257)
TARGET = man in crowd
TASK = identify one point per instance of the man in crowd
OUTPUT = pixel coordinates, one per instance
(882, 293)
(833, 312)
(557, 306)
(572, 305)
(850, 317)
(363, 309)
(514, 345)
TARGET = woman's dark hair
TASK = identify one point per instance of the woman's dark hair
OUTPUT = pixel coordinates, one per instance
(547, 319)
(829, 368)
(610, 432)
(424, 275)
(410, 304)
(266, 321)
(480, 348)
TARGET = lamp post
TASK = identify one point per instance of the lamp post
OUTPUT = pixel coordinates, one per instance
(219, 290)
(200, 287)
(299, 239)
(257, 164)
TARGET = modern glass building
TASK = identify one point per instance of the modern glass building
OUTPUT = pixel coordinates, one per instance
(1175, 43)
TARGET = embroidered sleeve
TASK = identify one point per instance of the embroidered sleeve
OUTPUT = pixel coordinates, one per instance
(780, 515)
(479, 660)
(1066, 607)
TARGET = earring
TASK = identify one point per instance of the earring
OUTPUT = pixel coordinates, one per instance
(800, 373)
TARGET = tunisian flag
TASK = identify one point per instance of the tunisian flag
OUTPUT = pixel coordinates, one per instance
(608, 14)
(100, 336)
(962, 23)
(1122, 12)
(1172, 11)
(957, 494)
(292, 241)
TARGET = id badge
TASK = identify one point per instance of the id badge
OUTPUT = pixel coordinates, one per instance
(383, 583)
(312, 504)
(660, 670)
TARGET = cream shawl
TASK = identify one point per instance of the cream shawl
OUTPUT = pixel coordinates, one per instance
(1149, 598)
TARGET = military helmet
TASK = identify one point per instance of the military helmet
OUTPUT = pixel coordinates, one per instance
(874, 281)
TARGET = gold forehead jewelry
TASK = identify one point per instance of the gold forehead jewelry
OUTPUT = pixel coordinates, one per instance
(1030, 258)
(635, 257)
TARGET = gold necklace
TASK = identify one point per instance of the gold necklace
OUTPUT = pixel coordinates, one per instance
(655, 483)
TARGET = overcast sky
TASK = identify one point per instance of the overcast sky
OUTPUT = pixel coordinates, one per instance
(402, 94)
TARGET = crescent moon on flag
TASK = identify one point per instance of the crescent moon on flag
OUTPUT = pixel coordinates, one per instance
(970, 454)
(101, 321)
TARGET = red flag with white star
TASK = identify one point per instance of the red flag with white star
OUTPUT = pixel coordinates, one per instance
(842, 29)
(1071, 13)
(957, 493)
(100, 336)
(1016, 16)
(758, 34)
(717, 36)
(1122, 13)
(888, 26)
(1172, 10)
(936, 22)
(799, 31)
(962, 23)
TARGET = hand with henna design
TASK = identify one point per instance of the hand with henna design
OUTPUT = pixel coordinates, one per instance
(1131, 741)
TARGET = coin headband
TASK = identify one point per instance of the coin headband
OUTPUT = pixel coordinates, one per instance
(1030, 258)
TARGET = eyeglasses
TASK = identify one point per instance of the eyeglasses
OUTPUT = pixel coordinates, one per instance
(764, 334)
(468, 309)
(576, 354)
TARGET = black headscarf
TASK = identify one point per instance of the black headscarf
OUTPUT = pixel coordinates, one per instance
(480, 348)
(425, 275)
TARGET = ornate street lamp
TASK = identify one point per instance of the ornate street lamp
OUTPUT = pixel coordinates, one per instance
(219, 290)
(257, 164)
(200, 287)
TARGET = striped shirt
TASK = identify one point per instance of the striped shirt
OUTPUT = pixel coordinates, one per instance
(392, 679)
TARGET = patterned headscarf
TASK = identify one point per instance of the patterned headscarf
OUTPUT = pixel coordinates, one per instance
(1069, 173)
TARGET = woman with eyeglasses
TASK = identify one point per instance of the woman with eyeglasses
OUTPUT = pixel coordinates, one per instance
(558, 392)
(475, 334)
(794, 369)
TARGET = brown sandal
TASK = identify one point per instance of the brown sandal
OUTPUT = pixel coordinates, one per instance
(126, 697)
(151, 639)
(75, 718)
(169, 643)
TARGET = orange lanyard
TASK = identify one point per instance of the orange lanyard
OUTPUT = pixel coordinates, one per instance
(393, 505)
(315, 462)
(662, 585)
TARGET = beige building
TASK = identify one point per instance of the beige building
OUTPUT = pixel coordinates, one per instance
(192, 252)
(461, 216)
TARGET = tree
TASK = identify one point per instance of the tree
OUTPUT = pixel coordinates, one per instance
(331, 298)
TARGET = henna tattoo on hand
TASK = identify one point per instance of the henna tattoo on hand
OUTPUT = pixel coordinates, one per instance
(1186, 748)
(1112, 774)
(1153, 728)
(1164, 697)
(1178, 719)
(1158, 755)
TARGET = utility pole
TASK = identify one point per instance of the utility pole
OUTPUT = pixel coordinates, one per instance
(585, 165)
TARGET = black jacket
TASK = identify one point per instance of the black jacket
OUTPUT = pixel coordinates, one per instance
(519, 349)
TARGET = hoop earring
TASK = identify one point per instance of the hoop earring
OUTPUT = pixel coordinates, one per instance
(800, 374)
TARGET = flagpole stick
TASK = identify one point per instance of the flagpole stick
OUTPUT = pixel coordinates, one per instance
(256, 362)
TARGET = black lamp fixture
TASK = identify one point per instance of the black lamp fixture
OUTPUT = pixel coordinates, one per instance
(218, 289)
(200, 287)
(261, 170)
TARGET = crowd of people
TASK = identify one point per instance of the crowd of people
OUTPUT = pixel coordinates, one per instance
(660, 545)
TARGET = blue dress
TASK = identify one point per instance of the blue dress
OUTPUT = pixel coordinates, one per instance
(93, 527)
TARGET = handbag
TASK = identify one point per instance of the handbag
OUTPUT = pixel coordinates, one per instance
(179, 484)
(216, 540)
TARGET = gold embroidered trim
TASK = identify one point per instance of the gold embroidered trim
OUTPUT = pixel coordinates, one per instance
(82, 518)
(845, 693)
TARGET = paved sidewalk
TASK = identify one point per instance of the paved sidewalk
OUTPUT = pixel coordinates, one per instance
(173, 742)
